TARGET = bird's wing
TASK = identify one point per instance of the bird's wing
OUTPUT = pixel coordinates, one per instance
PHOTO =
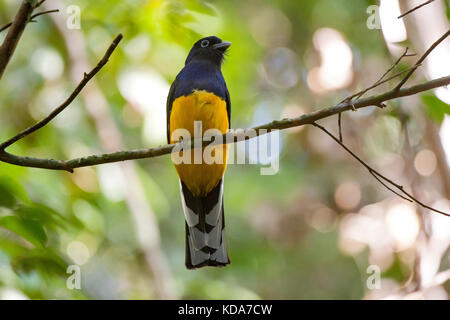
(228, 101)
(170, 99)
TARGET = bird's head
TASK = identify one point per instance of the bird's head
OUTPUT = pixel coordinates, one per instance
(210, 48)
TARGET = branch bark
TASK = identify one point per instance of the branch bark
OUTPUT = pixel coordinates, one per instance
(12, 38)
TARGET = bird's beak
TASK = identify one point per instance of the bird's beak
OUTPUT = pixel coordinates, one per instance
(222, 45)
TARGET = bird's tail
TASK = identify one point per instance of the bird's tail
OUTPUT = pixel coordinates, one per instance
(205, 228)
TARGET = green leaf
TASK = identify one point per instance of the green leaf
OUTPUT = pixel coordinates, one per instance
(436, 109)
(26, 228)
(42, 214)
(7, 198)
(43, 265)
(12, 186)
(12, 249)
(45, 261)
(202, 7)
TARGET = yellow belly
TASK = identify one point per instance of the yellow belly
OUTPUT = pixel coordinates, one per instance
(211, 110)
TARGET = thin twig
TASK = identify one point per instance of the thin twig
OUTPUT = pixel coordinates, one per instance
(380, 80)
(422, 58)
(58, 110)
(389, 188)
(6, 26)
(39, 4)
(404, 54)
(375, 173)
(42, 13)
(31, 18)
(358, 95)
(414, 9)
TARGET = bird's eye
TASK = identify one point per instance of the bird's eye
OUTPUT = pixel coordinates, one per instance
(204, 43)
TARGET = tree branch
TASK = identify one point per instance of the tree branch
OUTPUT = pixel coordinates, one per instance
(12, 38)
(414, 9)
(58, 110)
(232, 136)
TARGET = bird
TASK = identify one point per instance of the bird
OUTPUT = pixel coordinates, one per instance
(199, 94)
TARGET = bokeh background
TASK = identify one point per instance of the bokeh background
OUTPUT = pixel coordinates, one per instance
(309, 232)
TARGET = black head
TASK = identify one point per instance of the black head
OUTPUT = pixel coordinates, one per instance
(210, 48)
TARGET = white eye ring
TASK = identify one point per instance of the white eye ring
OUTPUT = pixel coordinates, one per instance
(204, 43)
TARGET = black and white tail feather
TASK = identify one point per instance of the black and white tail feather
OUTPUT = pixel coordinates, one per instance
(205, 228)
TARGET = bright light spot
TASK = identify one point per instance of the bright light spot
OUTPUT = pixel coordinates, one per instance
(348, 195)
(425, 162)
(78, 252)
(393, 29)
(48, 63)
(403, 225)
(336, 68)
(147, 90)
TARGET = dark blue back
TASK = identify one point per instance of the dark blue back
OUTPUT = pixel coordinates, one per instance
(198, 75)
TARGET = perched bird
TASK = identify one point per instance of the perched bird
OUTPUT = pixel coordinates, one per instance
(199, 94)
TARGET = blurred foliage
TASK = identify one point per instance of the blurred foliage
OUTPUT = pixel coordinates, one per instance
(436, 109)
(277, 248)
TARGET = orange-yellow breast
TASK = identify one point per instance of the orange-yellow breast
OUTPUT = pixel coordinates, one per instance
(211, 110)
